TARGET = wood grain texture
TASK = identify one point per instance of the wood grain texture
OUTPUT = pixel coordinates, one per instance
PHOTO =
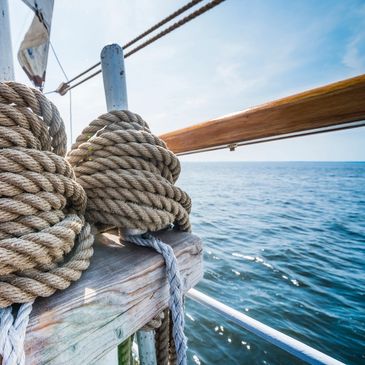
(333, 104)
(124, 288)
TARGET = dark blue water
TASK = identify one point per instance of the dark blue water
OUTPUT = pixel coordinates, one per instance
(284, 243)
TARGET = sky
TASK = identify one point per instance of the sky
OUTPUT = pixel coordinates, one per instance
(238, 55)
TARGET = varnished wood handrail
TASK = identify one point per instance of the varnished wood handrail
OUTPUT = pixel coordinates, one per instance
(330, 105)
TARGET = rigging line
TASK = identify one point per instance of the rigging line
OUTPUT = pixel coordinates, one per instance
(70, 96)
(82, 81)
(148, 31)
(84, 72)
(277, 138)
(163, 22)
(58, 60)
(176, 25)
(166, 31)
(71, 119)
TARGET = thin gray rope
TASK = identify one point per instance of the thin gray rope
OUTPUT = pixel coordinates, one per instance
(12, 334)
(175, 288)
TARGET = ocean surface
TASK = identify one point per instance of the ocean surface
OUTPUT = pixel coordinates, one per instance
(284, 244)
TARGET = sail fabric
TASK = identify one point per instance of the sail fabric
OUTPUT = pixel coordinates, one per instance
(33, 51)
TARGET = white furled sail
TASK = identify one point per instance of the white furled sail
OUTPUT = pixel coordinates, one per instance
(33, 51)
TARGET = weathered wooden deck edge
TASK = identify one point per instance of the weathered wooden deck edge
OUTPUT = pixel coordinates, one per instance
(123, 289)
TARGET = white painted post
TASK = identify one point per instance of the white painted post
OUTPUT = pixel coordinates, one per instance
(6, 51)
(146, 347)
(115, 87)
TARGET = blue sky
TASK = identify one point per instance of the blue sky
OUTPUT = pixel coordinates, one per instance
(238, 55)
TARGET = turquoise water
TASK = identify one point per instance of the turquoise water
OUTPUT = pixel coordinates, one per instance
(284, 243)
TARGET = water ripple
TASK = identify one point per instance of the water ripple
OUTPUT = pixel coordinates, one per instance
(284, 243)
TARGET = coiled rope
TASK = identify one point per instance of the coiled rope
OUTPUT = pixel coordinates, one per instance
(128, 175)
(45, 243)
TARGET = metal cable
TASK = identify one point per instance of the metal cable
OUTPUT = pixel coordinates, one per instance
(84, 80)
(148, 31)
(70, 95)
(162, 22)
(84, 72)
(164, 32)
(58, 60)
(176, 25)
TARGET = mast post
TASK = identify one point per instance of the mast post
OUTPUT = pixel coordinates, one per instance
(6, 51)
(115, 88)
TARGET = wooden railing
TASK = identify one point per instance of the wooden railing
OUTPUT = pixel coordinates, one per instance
(331, 105)
(124, 287)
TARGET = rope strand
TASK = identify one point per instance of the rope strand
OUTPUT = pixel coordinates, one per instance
(12, 334)
(175, 287)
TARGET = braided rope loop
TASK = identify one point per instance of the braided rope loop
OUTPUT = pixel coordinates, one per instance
(12, 334)
(176, 291)
(45, 243)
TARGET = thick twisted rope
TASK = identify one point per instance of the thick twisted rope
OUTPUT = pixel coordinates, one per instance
(128, 175)
(172, 348)
(162, 340)
(45, 243)
(154, 323)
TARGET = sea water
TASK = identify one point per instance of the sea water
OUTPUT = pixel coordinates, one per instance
(283, 243)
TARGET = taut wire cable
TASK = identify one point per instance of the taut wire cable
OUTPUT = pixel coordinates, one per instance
(65, 86)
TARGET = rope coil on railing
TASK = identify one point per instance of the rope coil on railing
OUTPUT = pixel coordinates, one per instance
(128, 175)
(122, 175)
(45, 243)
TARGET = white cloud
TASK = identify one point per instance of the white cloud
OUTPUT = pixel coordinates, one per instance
(354, 56)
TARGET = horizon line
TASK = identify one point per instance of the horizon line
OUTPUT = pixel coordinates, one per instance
(325, 161)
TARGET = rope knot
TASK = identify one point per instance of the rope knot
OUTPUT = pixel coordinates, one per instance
(128, 175)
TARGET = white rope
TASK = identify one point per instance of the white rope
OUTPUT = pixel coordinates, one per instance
(175, 287)
(12, 334)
